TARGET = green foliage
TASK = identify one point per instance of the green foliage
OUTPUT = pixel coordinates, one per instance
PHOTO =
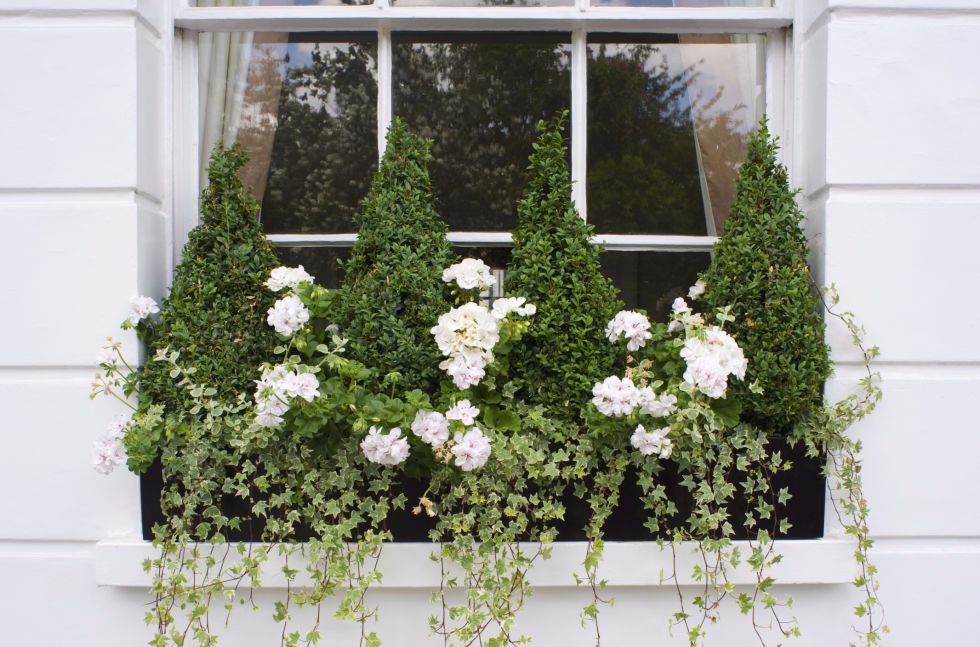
(557, 268)
(215, 313)
(760, 270)
(393, 291)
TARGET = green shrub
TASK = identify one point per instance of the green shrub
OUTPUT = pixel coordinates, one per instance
(557, 268)
(760, 269)
(393, 292)
(215, 314)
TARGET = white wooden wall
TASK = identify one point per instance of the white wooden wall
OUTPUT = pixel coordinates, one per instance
(885, 148)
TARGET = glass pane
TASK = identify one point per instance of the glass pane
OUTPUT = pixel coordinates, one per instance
(278, 3)
(668, 123)
(322, 262)
(652, 280)
(305, 108)
(482, 3)
(480, 97)
(682, 3)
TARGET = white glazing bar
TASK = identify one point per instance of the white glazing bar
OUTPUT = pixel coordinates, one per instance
(360, 18)
(618, 242)
(384, 87)
(186, 153)
(579, 129)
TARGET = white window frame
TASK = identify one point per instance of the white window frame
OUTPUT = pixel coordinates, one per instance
(579, 19)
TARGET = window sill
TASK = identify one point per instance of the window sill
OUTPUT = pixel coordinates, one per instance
(119, 563)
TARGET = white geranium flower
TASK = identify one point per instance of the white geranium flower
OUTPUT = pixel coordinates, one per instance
(141, 308)
(288, 315)
(301, 385)
(470, 274)
(506, 305)
(463, 411)
(466, 372)
(660, 407)
(287, 277)
(118, 427)
(711, 360)
(615, 397)
(385, 449)
(652, 442)
(432, 427)
(472, 449)
(631, 325)
(680, 306)
(469, 329)
(107, 454)
(696, 290)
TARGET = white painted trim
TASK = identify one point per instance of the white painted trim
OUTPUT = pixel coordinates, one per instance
(385, 88)
(186, 153)
(615, 19)
(118, 562)
(612, 242)
(579, 121)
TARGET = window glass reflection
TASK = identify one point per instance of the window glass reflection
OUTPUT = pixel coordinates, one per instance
(652, 280)
(324, 263)
(479, 97)
(668, 123)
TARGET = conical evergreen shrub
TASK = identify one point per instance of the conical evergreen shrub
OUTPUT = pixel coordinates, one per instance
(557, 268)
(393, 291)
(215, 314)
(760, 269)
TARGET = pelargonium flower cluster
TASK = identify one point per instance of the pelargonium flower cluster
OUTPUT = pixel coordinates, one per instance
(617, 397)
(652, 442)
(108, 451)
(466, 335)
(276, 388)
(518, 305)
(470, 274)
(289, 314)
(287, 277)
(711, 358)
(630, 325)
(470, 448)
(141, 308)
(385, 449)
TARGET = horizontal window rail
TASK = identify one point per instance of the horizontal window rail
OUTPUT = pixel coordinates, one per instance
(710, 20)
(616, 242)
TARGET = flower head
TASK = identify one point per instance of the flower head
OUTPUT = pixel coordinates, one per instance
(141, 308)
(631, 325)
(615, 397)
(106, 357)
(470, 274)
(107, 454)
(652, 442)
(506, 305)
(432, 427)
(463, 411)
(385, 449)
(696, 290)
(711, 359)
(471, 449)
(288, 315)
(287, 277)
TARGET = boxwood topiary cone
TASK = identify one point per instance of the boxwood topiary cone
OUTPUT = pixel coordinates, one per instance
(393, 291)
(760, 269)
(557, 268)
(215, 314)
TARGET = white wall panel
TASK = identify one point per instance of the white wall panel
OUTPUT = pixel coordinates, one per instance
(153, 169)
(903, 99)
(903, 264)
(920, 452)
(55, 604)
(50, 490)
(812, 106)
(69, 105)
(71, 270)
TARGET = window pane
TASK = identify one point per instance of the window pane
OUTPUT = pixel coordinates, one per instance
(322, 262)
(682, 3)
(280, 3)
(305, 108)
(479, 97)
(668, 122)
(482, 3)
(652, 280)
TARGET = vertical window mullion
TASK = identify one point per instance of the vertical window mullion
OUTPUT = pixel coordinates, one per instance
(579, 128)
(385, 76)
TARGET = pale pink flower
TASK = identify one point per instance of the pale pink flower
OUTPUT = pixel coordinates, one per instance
(463, 411)
(432, 427)
(141, 308)
(471, 449)
(385, 449)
